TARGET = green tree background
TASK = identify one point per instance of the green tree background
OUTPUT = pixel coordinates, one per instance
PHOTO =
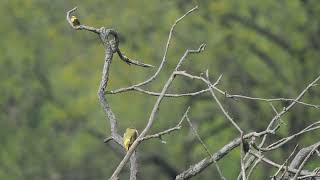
(51, 123)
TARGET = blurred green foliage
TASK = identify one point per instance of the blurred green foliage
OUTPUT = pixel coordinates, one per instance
(52, 126)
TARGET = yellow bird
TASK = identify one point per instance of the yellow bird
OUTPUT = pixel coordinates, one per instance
(75, 21)
(129, 137)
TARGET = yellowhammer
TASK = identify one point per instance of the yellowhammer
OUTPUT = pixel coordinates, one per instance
(129, 137)
(75, 21)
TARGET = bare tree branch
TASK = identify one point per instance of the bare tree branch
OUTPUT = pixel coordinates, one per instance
(275, 145)
(285, 163)
(154, 111)
(132, 61)
(302, 154)
(305, 160)
(80, 27)
(160, 134)
(204, 146)
(278, 116)
(195, 169)
(110, 40)
(233, 123)
(291, 170)
(111, 47)
(164, 59)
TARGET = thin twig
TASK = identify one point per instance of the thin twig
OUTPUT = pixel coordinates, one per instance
(281, 142)
(154, 110)
(278, 116)
(164, 58)
(80, 27)
(160, 134)
(268, 161)
(227, 95)
(285, 162)
(151, 93)
(195, 169)
(204, 146)
(252, 168)
(132, 61)
(306, 158)
(231, 120)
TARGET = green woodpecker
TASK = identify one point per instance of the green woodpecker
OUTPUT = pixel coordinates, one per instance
(75, 21)
(129, 137)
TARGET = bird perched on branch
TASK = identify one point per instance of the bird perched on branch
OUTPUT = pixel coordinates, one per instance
(129, 137)
(245, 146)
(75, 21)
